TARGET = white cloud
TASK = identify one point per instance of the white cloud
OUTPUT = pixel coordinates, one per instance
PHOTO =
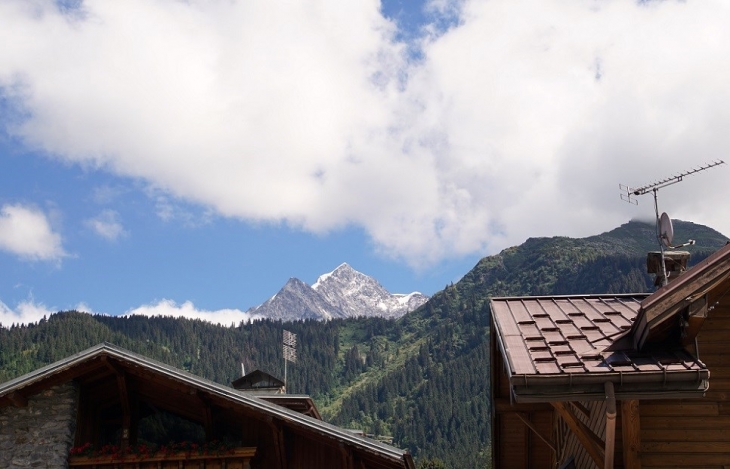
(26, 232)
(520, 120)
(27, 312)
(224, 317)
(107, 225)
(85, 308)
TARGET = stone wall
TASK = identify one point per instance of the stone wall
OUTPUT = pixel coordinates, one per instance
(40, 434)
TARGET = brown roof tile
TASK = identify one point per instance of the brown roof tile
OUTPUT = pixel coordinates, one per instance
(544, 336)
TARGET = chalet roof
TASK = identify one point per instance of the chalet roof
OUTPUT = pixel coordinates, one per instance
(103, 357)
(257, 379)
(690, 298)
(555, 347)
(298, 402)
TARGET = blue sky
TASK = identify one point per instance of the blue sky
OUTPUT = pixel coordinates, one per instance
(166, 157)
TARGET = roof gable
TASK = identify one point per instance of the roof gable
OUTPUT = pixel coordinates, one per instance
(257, 380)
(691, 295)
(107, 359)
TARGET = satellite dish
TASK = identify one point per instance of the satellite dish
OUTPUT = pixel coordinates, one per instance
(666, 230)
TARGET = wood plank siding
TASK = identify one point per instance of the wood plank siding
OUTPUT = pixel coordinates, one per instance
(694, 433)
(515, 445)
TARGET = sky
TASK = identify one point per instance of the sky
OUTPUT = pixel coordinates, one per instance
(189, 157)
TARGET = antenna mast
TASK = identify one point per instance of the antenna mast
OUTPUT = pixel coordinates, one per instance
(663, 238)
(290, 350)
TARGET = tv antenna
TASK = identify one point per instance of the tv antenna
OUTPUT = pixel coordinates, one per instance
(290, 350)
(664, 228)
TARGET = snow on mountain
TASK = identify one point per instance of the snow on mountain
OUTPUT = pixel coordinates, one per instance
(296, 300)
(344, 292)
(356, 294)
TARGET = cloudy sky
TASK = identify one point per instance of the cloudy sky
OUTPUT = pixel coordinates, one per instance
(188, 157)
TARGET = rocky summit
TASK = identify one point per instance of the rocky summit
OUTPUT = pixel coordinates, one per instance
(342, 293)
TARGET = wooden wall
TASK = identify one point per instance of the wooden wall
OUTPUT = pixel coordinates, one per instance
(694, 433)
(593, 414)
(515, 445)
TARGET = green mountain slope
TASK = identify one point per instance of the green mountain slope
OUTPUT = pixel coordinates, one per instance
(420, 382)
(437, 405)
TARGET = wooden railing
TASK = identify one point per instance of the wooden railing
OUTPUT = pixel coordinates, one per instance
(238, 458)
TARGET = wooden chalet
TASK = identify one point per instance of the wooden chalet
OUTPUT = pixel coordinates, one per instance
(624, 381)
(110, 391)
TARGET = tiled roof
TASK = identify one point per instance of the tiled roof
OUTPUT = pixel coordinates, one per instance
(563, 339)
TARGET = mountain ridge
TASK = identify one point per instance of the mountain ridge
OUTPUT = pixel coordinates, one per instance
(421, 381)
(341, 293)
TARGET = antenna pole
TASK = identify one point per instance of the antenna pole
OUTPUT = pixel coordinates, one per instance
(659, 237)
(628, 194)
(290, 350)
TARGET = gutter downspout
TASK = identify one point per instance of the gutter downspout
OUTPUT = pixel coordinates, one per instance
(610, 425)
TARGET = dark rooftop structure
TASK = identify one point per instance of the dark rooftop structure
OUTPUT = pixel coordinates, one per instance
(258, 381)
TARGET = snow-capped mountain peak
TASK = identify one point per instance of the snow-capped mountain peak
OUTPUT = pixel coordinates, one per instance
(344, 292)
(324, 277)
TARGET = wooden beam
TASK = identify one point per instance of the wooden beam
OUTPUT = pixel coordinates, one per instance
(347, 460)
(631, 433)
(581, 408)
(124, 399)
(592, 443)
(502, 405)
(207, 416)
(529, 424)
(278, 436)
(18, 399)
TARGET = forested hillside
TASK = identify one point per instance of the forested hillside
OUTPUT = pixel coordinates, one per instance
(421, 380)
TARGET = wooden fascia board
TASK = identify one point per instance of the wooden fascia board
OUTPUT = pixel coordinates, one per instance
(61, 377)
(705, 271)
(681, 293)
(503, 405)
(590, 441)
(494, 389)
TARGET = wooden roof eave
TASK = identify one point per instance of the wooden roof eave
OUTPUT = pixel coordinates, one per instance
(77, 364)
(674, 298)
(590, 387)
